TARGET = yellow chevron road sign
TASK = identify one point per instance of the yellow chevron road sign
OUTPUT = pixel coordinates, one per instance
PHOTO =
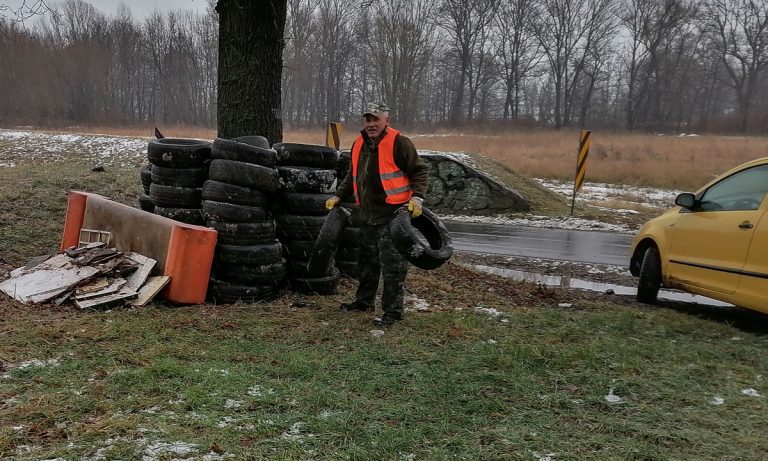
(581, 164)
(333, 136)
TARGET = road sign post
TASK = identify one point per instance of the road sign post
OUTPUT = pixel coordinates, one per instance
(333, 135)
(581, 164)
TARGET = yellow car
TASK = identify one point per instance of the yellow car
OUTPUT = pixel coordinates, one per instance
(714, 243)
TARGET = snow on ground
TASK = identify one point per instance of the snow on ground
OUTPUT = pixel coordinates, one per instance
(30, 146)
(558, 222)
(601, 192)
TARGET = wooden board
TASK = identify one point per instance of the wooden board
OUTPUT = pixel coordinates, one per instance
(151, 288)
(106, 301)
(137, 279)
(47, 280)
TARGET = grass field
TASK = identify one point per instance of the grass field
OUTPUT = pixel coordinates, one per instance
(490, 369)
(672, 162)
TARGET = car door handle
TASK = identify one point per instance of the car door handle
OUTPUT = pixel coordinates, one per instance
(746, 225)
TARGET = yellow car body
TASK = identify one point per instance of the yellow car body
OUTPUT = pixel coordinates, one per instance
(713, 243)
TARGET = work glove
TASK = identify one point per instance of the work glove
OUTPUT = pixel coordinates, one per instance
(415, 206)
(332, 202)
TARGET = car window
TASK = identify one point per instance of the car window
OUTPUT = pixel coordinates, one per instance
(744, 190)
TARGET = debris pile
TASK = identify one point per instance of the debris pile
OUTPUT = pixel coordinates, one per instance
(93, 276)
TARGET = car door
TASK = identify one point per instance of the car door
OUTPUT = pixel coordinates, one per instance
(709, 244)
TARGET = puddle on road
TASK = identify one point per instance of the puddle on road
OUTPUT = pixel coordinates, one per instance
(580, 284)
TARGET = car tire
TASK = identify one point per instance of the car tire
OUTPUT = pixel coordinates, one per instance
(217, 191)
(175, 197)
(306, 155)
(228, 212)
(403, 232)
(261, 254)
(180, 177)
(306, 204)
(267, 274)
(146, 203)
(229, 293)
(649, 281)
(307, 179)
(324, 250)
(146, 177)
(254, 140)
(325, 285)
(249, 175)
(244, 233)
(232, 149)
(185, 215)
(178, 153)
(295, 227)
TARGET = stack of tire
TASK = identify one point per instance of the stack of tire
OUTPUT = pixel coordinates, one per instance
(349, 247)
(145, 201)
(307, 179)
(248, 264)
(179, 169)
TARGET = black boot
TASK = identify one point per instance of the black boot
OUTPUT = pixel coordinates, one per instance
(355, 306)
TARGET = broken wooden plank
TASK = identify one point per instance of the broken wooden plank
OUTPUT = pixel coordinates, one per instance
(137, 279)
(74, 252)
(47, 280)
(150, 289)
(95, 285)
(115, 299)
(112, 286)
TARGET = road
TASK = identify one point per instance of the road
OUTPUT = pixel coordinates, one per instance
(564, 245)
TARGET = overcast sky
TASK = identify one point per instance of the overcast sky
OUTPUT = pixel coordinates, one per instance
(140, 8)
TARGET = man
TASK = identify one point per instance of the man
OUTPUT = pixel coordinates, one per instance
(385, 174)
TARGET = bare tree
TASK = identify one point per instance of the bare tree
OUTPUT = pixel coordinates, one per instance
(517, 48)
(466, 23)
(739, 31)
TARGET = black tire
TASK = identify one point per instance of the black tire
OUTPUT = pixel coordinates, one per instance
(351, 237)
(175, 197)
(261, 254)
(326, 285)
(403, 229)
(343, 165)
(305, 204)
(178, 153)
(298, 268)
(650, 277)
(346, 253)
(324, 251)
(306, 155)
(232, 149)
(249, 175)
(307, 179)
(267, 274)
(228, 212)
(229, 193)
(185, 215)
(298, 250)
(348, 268)
(146, 203)
(295, 227)
(255, 140)
(179, 177)
(227, 293)
(243, 233)
(146, 177)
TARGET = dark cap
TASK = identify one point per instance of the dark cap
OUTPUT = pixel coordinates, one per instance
(376, 109)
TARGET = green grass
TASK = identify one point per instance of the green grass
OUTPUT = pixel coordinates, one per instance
(274, 381)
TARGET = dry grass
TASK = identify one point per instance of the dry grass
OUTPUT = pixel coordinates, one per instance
(615, 157)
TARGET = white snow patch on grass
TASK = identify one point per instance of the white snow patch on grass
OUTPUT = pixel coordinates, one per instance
(750, 392)
(488, 311)
(414, 303)
(562, 222)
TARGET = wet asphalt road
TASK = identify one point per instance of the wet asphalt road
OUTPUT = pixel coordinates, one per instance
(564, 245)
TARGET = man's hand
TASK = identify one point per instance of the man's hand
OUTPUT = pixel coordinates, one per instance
(332, 202)
(415, 207)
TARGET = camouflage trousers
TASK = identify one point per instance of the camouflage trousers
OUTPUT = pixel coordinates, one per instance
(378, 258)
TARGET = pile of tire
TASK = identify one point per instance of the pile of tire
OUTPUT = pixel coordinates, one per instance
(307, 179)
(248, 264)
(349, 247)
(145, 201)
(179, 167)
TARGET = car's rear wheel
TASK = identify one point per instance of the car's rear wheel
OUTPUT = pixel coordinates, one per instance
(650, 276)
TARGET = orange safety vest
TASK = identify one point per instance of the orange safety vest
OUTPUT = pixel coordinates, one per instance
(396, 184)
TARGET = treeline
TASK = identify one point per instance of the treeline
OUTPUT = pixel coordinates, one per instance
(654, 65)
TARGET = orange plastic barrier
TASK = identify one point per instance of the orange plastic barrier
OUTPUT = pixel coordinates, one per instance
(182, 251)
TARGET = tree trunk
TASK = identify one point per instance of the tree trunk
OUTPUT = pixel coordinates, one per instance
(250, 68)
